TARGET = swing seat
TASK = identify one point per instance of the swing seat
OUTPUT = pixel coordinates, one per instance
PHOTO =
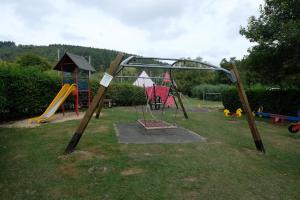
(155, 124)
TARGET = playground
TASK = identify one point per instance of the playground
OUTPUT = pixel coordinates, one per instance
(225, 165)
(150, 100)
(173, 147)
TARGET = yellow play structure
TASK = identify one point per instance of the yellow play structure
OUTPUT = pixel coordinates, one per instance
(60, 98)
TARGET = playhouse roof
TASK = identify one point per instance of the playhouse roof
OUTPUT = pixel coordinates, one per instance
(71, 61)
(143, 80)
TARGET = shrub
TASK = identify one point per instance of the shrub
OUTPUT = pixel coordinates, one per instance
(32, 60)
(27, 92)
(123, 94)
(198, 91)
(285, 102)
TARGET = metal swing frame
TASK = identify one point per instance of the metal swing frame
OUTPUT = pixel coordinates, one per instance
(117, 65)
(170, 64)
(162, 64)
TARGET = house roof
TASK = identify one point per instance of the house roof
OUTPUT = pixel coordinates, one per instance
(70, 61)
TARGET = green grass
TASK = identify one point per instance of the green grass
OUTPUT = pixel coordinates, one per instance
(227, 166)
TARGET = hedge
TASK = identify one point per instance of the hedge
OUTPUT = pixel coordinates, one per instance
(24, 92)
(198, 91)
(27, 92)
(284, 102)
(123, 94)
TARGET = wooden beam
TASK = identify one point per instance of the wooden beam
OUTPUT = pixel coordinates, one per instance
(174, 87)
(245, 103)
(100, 106)
(95, 102)
(180, 103)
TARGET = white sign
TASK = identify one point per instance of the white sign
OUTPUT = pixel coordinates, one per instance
(106, 79)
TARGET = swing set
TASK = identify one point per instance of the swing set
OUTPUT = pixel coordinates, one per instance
(159, 97)
(169, 64)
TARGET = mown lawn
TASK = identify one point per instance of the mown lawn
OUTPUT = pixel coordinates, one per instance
(227, 166)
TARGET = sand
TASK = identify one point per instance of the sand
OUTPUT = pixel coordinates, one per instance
(59, 117)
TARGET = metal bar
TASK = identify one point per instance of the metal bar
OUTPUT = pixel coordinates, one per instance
(89, 90)
(126, 63)
(170, 67)
(154, 77)
(77, 92)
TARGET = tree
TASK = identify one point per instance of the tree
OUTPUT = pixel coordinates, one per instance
(186, 80)
(275, 59)
(7, 44)
(31, 60)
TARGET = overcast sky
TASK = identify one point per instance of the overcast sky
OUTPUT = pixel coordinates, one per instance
(161, 28)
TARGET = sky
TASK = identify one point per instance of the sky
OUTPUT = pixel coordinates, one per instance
(159, 28)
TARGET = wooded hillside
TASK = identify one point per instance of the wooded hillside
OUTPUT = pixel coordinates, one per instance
(100, 58)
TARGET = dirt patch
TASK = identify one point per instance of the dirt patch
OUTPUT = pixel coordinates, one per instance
(19, 157)
(191, 195)
(132, 171)
(69, 170)
(57, 118)
(95, 169)
(81, 155)
(190, 179)
(233, 121)
(99, 129)
(180, 150)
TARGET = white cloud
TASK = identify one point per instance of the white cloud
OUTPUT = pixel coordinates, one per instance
(163, 28)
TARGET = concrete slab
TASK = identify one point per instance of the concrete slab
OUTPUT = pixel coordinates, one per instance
(135, 133)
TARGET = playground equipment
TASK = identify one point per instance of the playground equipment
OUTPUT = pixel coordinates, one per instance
(238, 113)
(276, 118)
(75, 74)
(176, 64)
(62, 95)
(159, 95)
(294, 127)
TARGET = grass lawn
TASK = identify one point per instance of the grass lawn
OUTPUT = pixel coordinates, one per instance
(227, 166)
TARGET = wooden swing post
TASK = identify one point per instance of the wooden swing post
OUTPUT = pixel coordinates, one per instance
(95, 102)
(100, 106)
(173, 85)
(245, 103)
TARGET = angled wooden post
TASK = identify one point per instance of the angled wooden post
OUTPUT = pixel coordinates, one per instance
(180, 103)
(173, 85)
(245, 103)
(100, 106)
(95, 102)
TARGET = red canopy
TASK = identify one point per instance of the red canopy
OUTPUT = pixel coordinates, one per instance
(167, 78)
(162, 92)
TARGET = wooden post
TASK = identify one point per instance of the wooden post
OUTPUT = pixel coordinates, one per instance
(180, 103)
(177, 95)
(100, 106)
(243, 97)
(77, 92)
(95, 102)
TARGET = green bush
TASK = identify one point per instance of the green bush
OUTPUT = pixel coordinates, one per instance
(126, 94)
(32, 60)
(285, 102)
(198, 91)
(27, 92)
(123, 94)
